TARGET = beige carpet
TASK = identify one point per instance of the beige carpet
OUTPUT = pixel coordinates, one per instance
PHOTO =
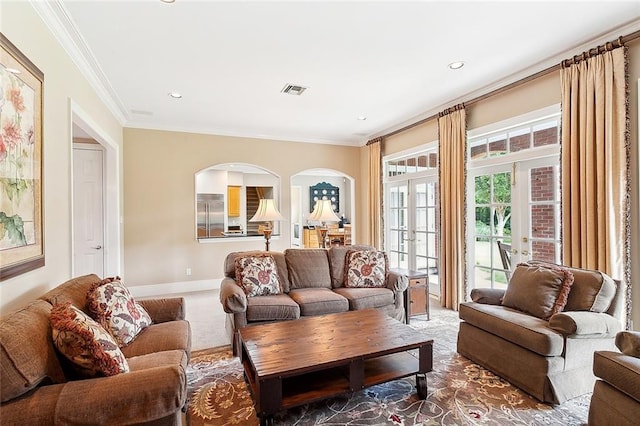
(460, 393)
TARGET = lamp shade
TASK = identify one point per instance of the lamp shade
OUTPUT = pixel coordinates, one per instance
(266, 212)
(323, 212)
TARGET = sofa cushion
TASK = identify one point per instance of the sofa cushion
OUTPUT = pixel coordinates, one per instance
(539, 290)
(283, 273)
(166, 336)
(366, 268)
(363, 298)
(157, 359)
(337, 259)
(26, 362)
(272, 308)
(111, 304)
(85, 343)
(319, 301)
(308, 268)
(514, 326)
(74, 291)
(619, 370)
(257, 275)
(591, 290)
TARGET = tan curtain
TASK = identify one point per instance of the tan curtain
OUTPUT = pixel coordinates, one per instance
(452, 152)
(375, 192)
(595, 162)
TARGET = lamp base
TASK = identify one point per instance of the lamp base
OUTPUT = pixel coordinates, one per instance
(267, 237)
(323, 235)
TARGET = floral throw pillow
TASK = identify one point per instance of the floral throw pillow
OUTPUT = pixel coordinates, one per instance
(365, 268)
(85, 343)
(111, 304)
(257, 275)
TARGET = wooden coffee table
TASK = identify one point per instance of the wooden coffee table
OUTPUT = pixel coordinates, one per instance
(291, 363)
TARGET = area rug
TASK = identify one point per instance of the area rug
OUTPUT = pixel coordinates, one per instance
(459, 393)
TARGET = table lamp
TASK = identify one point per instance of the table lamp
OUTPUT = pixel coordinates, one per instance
(267, 212)
(323, 212)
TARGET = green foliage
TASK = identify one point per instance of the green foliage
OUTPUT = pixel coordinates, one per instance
(14, 187)
(13, 226)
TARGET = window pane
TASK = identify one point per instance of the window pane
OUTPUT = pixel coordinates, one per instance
(483, 277)
(542, 184)
(478, 149)
(421, 244)
(542, 250)
(543, 221)
(483, 221)
(545, 134)
(497, 145)
(501, 188)
(482, 189)
(500, 279)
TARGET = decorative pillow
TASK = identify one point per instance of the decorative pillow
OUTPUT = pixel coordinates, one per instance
(111, 304)
(85, 343)
(365, 268)
(539, 290)
(257, 275)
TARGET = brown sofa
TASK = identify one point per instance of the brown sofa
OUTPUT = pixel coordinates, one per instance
(312, 284)
(37, 388)
(551, 359)
(616, 395)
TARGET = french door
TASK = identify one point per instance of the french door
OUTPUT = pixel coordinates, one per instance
(517, 204)
(413, 227)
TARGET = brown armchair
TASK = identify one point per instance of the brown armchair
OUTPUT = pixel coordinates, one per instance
(616, 393)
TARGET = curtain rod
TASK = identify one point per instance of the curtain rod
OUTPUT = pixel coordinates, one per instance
(621, 40)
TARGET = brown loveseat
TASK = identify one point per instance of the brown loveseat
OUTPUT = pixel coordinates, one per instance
(312, 284)
(616, 396)
(36, 388)
(552, 358)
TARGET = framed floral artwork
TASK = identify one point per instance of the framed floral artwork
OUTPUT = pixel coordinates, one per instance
(21, 102)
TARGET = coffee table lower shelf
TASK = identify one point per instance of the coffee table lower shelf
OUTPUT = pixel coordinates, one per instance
(284, 392)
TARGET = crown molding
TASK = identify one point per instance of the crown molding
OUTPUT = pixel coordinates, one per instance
(57, 19)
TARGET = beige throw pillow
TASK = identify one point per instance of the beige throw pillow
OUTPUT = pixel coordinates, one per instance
(257, 275)
(539, 290)
(366, 268)
(85, 343)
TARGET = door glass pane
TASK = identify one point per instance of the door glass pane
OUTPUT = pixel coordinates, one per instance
(483, 221)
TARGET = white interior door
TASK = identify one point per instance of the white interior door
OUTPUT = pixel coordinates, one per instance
(88, 210)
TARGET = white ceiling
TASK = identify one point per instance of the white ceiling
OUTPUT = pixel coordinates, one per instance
(386, 60)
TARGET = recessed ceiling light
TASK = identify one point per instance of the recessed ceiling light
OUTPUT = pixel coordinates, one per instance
(167, 1)
(456, 65)
(362, 118)
(13, 70)
(175, 95)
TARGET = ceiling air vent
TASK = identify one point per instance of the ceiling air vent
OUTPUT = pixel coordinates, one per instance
(293, 89)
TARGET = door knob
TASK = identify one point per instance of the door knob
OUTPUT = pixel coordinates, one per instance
(525, 252)
(98, 247)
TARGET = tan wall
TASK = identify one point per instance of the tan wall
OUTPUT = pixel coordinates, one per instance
(62, 81)
(536, 94)
(159, 200)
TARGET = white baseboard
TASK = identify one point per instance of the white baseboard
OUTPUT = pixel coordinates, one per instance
(174, 288)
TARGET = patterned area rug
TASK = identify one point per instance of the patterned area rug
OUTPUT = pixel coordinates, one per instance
(459, 393)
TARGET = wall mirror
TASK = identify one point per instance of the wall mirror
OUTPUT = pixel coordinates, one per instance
(227, 197)
(311, 185)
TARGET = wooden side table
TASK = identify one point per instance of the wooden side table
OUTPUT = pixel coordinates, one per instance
(416, 297)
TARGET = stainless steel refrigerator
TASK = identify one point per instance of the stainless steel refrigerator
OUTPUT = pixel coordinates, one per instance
(210, 215)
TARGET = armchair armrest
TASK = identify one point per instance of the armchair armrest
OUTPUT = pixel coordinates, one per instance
(619, 370)
(232, 297)
(585, 324)
(629, 343)
(164, 310)
(139, 397)
(397, 282)
(487, 296)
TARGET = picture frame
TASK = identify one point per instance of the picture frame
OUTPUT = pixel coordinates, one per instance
(21, 180)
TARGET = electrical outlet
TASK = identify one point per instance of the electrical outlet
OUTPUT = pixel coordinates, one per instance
(188, 271)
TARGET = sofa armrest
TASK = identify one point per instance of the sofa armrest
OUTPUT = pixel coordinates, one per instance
(232, 297)
(629, 343)
(164, 310)
(397, 282)
(585, 324)
(619, 370)
(487, 296)
(139, 397)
